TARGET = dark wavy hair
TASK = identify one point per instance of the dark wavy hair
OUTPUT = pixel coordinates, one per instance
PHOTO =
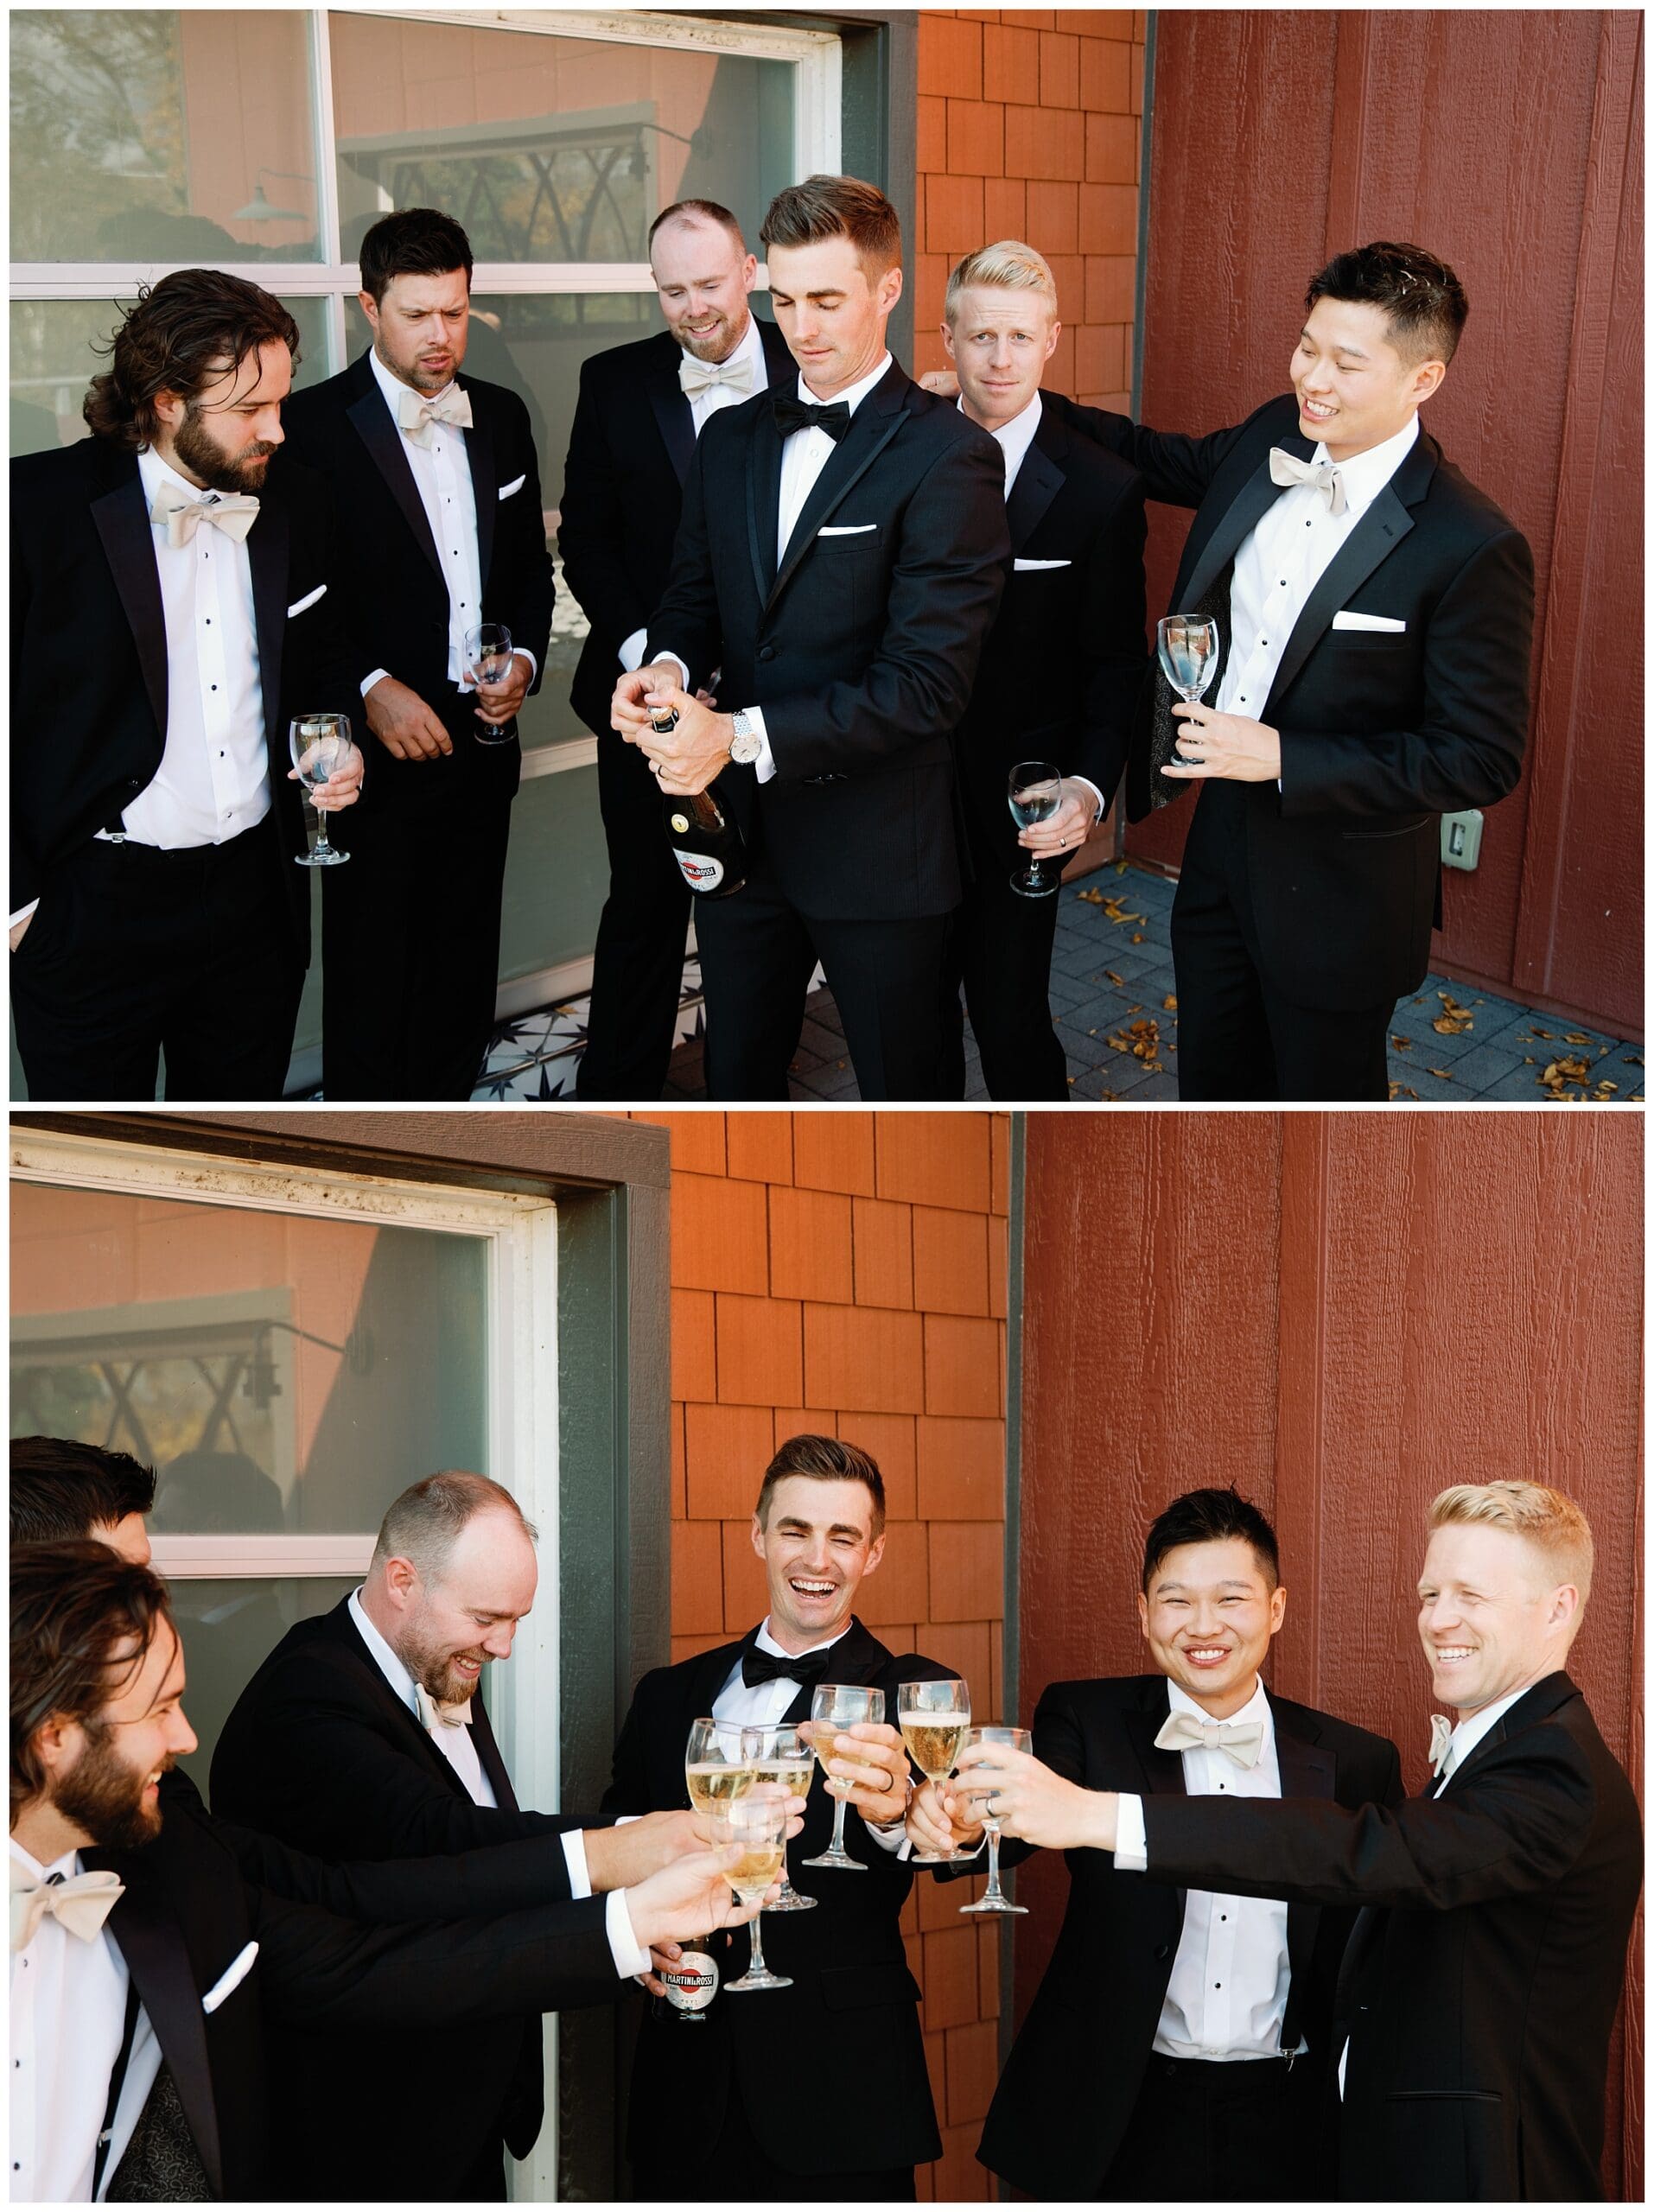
(60, 1488)
(833, 207)
(1210, 1517)
(184, 333)
(412, 241)
(827, 1460)
(1423, 300)
(73, 1606)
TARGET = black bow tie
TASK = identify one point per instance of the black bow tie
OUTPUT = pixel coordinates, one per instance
(792, 414)
(758, 1666)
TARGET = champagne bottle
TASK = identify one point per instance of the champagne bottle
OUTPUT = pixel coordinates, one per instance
(706, 843)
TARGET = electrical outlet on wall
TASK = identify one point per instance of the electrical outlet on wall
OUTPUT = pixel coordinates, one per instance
(1461, 838)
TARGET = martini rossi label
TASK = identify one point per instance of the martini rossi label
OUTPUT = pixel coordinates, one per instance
(692, 1984)
(700, 872)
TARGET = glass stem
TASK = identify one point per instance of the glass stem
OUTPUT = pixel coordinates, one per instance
(993, 1888)
(322, 845)
(841, 1806)
(756, 1964)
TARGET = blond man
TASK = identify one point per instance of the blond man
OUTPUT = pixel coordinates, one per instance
(1479, 1988)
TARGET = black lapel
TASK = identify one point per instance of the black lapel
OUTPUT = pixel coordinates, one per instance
(1038, 481)
(1306, 1771)
(485, 479)
(362, 1663)
(1374, 538)
(874, 424)
(1162, 1770)
(1244, 512)
(1536, 1704)
(779, 367)
(764, 491)
(152, 1943)
(267, 547)
(672, 410)
(493, 1766)
(370, 419)
(122, 516)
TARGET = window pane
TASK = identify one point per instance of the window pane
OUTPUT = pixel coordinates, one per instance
(280, 1373)
(52, 362)
(162, 135)
(228, 1630)
(548, 147)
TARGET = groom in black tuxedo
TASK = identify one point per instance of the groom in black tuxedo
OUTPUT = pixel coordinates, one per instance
(438, 500)
(174, 603)
(1375, 613)
(640, 410)
(841, 559)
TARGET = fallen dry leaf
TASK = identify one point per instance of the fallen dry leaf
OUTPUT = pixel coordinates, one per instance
(1576, 1037)
(1401, 1044)
(1446, 1074)
(1402, 1091)
(1454, 1020)
(1137, 934)
(1091, 898)
(1170, 1002)
(1118, 982)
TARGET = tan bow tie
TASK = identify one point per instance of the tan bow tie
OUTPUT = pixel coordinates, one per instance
(433, 1716)
(1287, 468)
(696, 377)
(416, 413)
(81, 1903)
(1441, 1741)
(233, 512)
(1183, 1731)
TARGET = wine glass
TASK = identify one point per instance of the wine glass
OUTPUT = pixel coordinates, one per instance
(488, 660)
(1188, 655)
(993, 1898)
(1035, 791)
(837, 1706)
(757, 1822)
(714, 1770)
(934, 1717)
(781, 1756)
(319, 744)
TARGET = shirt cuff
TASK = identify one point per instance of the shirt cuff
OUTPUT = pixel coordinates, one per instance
(368, 682)
(23, 914)
(765, 763)
(891, 1837)
(683, 666)
(1130, 1842)
(521, 653)
(1097, 807)
(629, 1959)
(631, 650)
(574, 1853)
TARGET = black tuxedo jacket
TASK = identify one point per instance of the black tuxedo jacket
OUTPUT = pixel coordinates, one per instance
(320, 1752)
(194, 1901)
(848, 2027)
(397, 600)
(1068, 2090)
(1381, 731)
(860, 648)
(89, 650)
(1063, 665)
(1481, 1982)
(629, 453)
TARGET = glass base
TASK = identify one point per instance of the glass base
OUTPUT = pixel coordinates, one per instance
(940, 1858)
(842, 1859)
(993, 1905)
(488, 734)
(791, 1900)
(1035, 886)
(765, 1980)
(332, 858)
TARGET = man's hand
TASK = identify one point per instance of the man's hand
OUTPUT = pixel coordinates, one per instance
(627, 712)
(1068, 828)
(404, 724)
(342, 788)
(1211, 744)
(869, 1770)
(685, 760)
(942, 382)
(498, 703)
(1030, 1802)
(662, 1956)
(687, 1897)
(20, 929)
(617, 1857)
(940, 1824)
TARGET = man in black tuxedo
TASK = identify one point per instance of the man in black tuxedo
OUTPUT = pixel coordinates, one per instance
(1181, 2045)
(1477, 2000)
(439, 499)
(147, 1955)
(1061, 668)
(175, 603)
(845, 2035)
(640, 410)
(1375, 615)
(361, 1738)
(841, 563)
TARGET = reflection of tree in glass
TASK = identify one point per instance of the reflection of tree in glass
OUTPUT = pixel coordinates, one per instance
(59, 1402)
(534, 203)
(97, 125)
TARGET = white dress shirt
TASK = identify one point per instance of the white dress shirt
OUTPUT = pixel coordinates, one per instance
(458, 1747)
(1281, 560)
(441, 475)
(1227, 1996)
(68, 2006)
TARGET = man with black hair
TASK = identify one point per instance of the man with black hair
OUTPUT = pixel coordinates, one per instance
(1180, 2044)
(1375, 613)
(62, 1489)
(439, 498)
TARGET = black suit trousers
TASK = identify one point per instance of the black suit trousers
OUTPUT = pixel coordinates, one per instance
(1226, 2131)
(1238, 1041)
(738, 2171)
(1002, 955)
(889, 980)
(638, 971)
(135, 952)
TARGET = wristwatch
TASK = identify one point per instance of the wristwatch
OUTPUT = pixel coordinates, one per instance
(744, 744)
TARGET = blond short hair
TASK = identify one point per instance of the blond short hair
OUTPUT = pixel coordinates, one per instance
(1009, 266)
(1545, 1517)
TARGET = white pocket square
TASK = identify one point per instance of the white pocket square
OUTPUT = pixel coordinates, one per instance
(505, 490)
(231, 1979)
(1022, 565)
(309, 600)
(1346, 619)
(845, 529)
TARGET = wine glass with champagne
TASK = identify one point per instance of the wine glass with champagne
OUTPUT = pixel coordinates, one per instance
(488, 660)
(979, 1786)
(780, 1758)
(713, 1767)
(319, 744)
(1035, 791)
(835, 1707)
(755, 1821)
(933, 1718)
(1188, 655)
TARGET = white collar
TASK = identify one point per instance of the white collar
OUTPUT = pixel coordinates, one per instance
(852, 397)
(1015, 438)
(1469, 1733)
(1256, 1707)
(67, 1865)
(383, 1656)
(1365, 474)
(393, 387)
(764, 1641)
(153, 472)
